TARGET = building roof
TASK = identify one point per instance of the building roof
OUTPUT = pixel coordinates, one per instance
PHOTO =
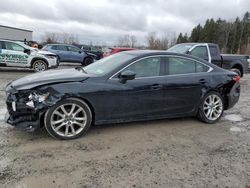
(15, 28)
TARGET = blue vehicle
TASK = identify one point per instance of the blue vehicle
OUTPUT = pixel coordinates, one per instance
(70, 53)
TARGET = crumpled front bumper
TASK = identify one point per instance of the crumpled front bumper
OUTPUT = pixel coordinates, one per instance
(22, 116)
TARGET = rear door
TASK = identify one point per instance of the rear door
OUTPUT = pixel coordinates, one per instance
(187, 80)
(13, 54)
(62, 52)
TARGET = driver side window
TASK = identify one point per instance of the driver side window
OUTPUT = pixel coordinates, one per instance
(146, 67)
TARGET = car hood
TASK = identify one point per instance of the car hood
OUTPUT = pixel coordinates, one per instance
(48, 77)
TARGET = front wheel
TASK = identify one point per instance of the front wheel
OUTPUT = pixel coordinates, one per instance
(68, 119)
(211, 108)
(39, 66)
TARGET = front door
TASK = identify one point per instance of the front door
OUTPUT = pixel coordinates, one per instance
(141, 97)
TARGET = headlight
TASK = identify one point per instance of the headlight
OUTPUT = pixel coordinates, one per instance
(36, 98)
(50, 56)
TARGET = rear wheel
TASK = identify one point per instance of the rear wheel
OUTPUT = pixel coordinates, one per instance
(211, 108)
(87, 61)
(237, 71)
(68, 119)
(39, 65)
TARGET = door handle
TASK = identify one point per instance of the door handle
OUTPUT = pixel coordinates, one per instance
(202, 81)
(156, 86)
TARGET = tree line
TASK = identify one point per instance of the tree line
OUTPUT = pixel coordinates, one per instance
(232, 37)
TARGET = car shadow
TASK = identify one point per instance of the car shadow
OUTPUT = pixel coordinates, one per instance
(106, 129)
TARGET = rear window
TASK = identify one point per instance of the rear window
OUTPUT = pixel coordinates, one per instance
(213, 50)
(178, 65)
(60, 48)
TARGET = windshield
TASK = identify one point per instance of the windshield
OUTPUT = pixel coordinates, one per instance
(108, 64)
(24, 45)
(180, 48)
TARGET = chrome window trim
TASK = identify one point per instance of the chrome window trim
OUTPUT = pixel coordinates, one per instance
(209, 70)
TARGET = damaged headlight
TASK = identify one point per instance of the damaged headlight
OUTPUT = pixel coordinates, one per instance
(35, 98)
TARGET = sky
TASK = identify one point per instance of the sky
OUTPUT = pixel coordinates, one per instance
(104, 21)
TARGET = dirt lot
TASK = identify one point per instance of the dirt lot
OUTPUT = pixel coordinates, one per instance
(166, 153)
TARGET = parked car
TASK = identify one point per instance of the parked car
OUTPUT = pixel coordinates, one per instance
(17, 54)
(211, 53)
(116, 50)
(70, 53)
(128, 86)
(92, 49)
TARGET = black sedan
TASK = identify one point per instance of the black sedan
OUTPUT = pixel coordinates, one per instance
(128, 86)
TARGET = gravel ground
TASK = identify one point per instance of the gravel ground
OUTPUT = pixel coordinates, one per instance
(165, 153)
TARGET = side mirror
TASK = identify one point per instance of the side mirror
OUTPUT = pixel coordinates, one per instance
(126, 75)
(27, 51)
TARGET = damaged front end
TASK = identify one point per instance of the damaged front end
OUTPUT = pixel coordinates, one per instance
(26, 107)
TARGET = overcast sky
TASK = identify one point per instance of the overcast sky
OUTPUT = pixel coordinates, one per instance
(105, 20)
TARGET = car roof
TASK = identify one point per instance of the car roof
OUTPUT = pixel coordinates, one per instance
(144, 53)
(6, 40)
(195, 43)
(60, 45)
(122, 48)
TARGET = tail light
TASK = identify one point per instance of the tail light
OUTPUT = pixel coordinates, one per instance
(236, 79)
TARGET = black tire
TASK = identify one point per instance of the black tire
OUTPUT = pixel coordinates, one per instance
(58, 60)
(237, 71)
(39, 65)
(87, 61)
(51, 114)
(202, 112)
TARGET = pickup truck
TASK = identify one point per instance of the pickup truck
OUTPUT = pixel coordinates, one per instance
(211, 53)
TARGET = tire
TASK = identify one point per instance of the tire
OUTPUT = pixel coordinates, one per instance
(58, 60)
(237, 71)
(68, 119)
(211, 108)
(87, 61)
(39, 65)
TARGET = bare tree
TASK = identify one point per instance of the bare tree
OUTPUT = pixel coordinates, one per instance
(127, 41)
(50, 38)
(157, 43)
(70, 38)
(133, 41)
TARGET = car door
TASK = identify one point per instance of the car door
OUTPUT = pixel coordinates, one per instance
(2, 61)
(13, 54)
(141, 97)
(76, 54)
(187, 80)
(63, 53)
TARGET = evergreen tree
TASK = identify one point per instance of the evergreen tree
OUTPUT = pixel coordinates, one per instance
(232, 37)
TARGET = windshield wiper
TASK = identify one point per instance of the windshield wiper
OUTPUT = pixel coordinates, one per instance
(81, 68)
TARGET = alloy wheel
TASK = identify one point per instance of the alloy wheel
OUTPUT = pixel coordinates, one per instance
(213, 107)
(68, 120)
(39, 66)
